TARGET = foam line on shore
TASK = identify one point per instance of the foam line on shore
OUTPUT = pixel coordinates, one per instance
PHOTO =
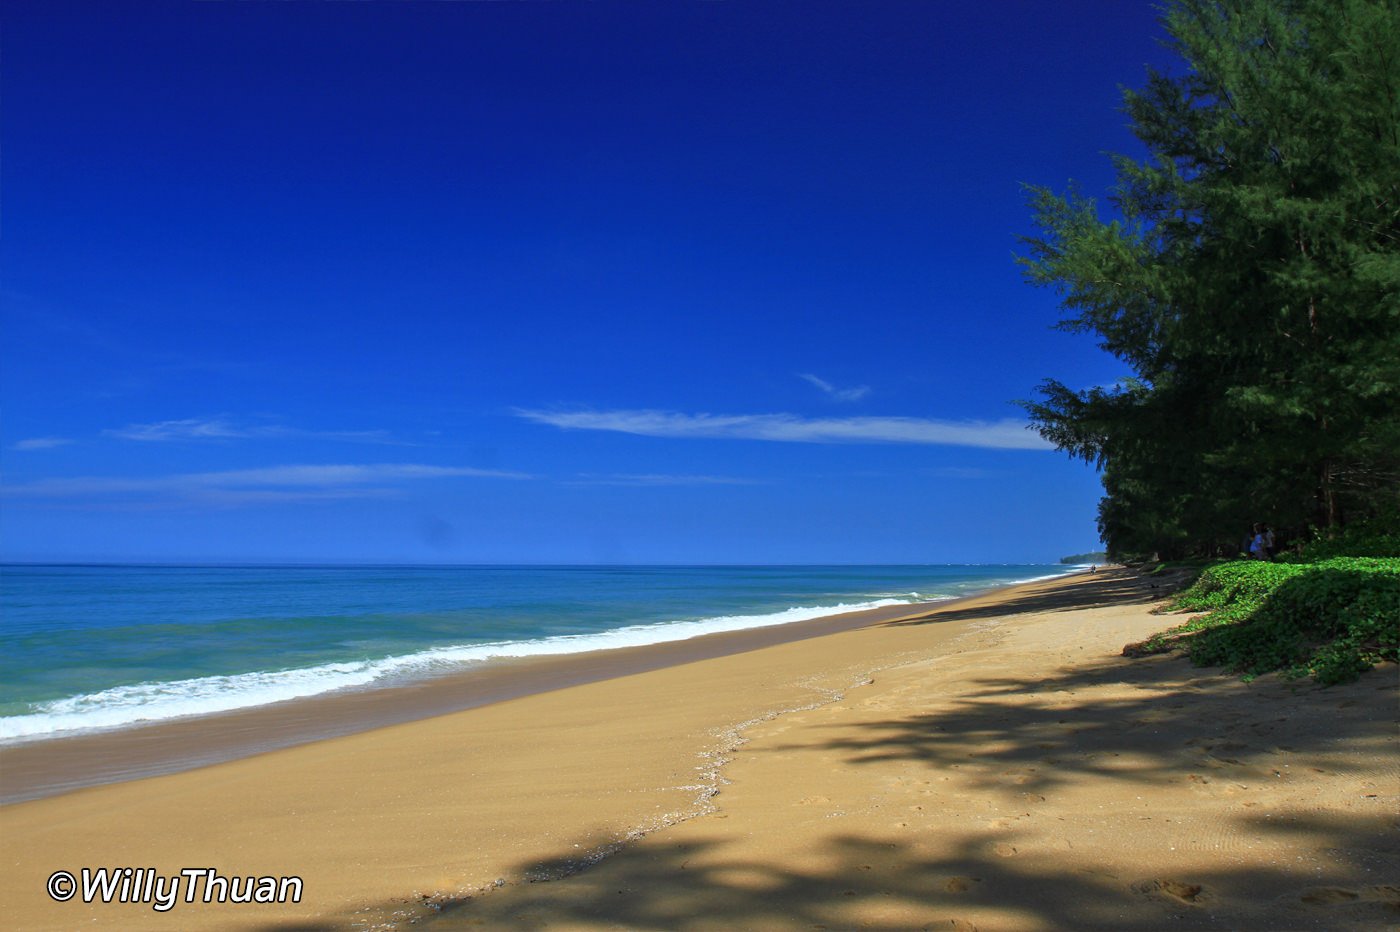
(141, 703)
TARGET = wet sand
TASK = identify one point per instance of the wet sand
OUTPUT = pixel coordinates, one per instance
(994, 764)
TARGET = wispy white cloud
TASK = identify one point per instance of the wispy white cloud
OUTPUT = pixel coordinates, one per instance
(220, 428)
(831, 391)
(233, 498)
(295, 483)
(188, 429)
(40, 443)
(653, 479)
(1006, 434)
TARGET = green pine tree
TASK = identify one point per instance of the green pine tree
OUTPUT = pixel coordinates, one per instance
(1249, 276)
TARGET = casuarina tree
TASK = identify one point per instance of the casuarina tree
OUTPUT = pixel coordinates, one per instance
(1247, 273)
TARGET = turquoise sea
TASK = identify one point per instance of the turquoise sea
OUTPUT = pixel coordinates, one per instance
(97, 647)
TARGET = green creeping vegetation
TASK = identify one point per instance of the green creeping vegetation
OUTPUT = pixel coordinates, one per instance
(1333, 618)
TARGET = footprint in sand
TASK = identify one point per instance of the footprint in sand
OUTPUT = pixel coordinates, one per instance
(1215, 787)
(1004, 850)
(813, 800)
(959, 884)
(1177, 891)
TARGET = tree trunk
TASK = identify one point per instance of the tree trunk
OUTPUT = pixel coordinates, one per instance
(1327, 512)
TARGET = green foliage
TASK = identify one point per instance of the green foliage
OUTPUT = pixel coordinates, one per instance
(1247, 273)
(1236, 582)
(1332, 619)
(1372, 540)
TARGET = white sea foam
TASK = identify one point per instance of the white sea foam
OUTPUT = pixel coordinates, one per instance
(1069, 568)
(150, 702)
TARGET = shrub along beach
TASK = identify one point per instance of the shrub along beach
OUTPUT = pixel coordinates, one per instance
(1332, 617)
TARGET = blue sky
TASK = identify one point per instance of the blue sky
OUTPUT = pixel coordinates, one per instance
(479, 282)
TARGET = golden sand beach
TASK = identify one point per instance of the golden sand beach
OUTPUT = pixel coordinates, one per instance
(993, 763)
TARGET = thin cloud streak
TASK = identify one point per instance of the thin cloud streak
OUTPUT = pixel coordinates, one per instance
(197, 429)
(234, 498)
(1006, 434)
(247, 486)
(40, 443)
(836, 394)
(187, 429)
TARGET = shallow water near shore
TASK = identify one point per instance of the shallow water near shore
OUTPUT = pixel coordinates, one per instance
(85, 648)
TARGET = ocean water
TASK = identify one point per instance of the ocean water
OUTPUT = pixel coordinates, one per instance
(99, 647)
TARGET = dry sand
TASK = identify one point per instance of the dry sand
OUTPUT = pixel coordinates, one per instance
(991, 764)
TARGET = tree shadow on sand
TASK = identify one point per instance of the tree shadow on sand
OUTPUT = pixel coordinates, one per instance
(887, 884)
(1113, 587)
(1158, 720)
(1159, 723)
